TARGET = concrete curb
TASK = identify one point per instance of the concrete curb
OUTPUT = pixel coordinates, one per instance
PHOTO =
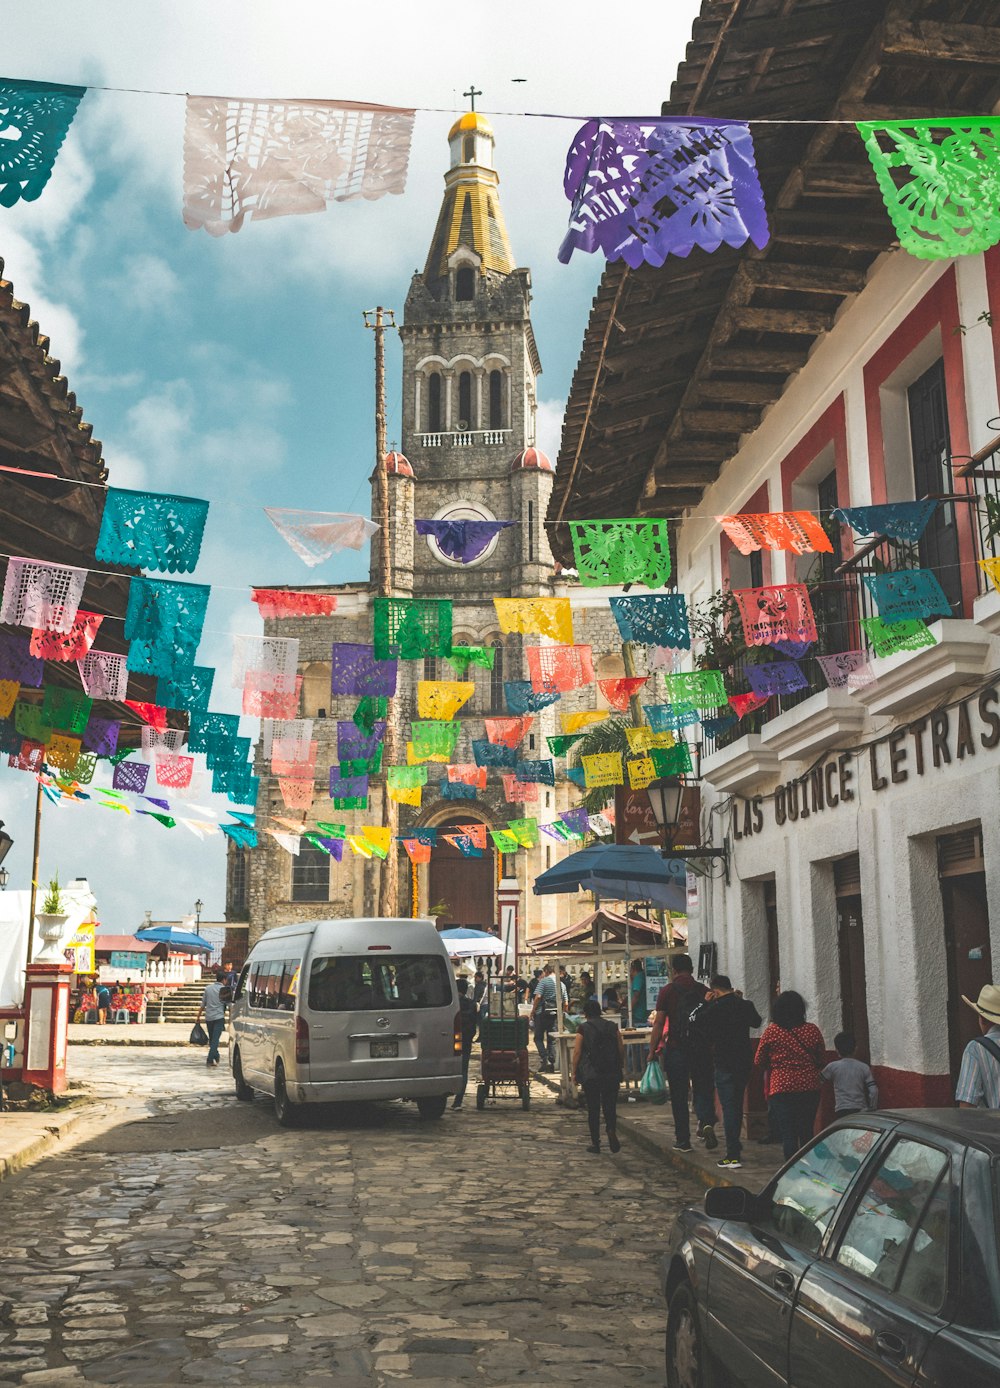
(35, 1144)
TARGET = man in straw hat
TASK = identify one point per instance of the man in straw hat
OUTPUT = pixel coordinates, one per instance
(979, 1078)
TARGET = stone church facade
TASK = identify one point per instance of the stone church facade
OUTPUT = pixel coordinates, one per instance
(470, 368)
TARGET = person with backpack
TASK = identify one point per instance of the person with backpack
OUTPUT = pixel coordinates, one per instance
(598, 1065)
(686, 1057)
(979, 1077)
(725, 1021)
(469, 1014)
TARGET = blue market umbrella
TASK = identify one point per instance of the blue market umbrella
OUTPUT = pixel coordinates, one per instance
(622, 872)
(166, 934)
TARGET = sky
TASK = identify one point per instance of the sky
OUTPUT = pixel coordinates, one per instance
(238, 369)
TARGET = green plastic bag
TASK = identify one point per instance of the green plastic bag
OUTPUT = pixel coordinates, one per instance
(653, 1086)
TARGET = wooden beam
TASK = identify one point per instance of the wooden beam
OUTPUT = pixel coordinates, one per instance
(737, 392)
(808, 279)
(807, 322)
(670, 501)
(933, 43)
(719, 421)
(766, 361)
(669, 474)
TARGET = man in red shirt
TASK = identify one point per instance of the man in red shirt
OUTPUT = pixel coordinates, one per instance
(686, 1059)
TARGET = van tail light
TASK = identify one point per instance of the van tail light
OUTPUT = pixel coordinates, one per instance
(301, 1040)
(458, 1033)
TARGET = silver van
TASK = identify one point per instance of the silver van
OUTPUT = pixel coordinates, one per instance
(329, 1011)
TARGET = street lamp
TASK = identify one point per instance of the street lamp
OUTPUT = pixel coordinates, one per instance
(4, 879)
(198, 908)
(666, 799)
(6, 842)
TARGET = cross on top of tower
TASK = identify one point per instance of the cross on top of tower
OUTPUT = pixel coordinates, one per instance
(472, 93)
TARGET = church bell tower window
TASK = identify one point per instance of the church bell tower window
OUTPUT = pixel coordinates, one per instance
(465, 283)
(434, 402)
(465, 400)
(469, 149)
(497, 694)
(496, 400)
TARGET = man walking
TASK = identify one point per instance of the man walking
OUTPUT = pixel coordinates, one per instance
(215, 1015)
(544, 1017)
(469, 1013)
(725, 1024)
(686, 1058)
(979, 1078)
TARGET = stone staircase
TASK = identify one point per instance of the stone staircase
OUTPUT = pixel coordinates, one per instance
(181, 1004)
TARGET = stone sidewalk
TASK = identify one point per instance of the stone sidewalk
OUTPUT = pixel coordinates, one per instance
(133, 1034)
(651, 1126)
(25, 1137)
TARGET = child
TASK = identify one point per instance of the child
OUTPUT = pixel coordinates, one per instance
(854, 1086)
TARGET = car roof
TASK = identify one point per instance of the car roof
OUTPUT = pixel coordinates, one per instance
(979, 1127)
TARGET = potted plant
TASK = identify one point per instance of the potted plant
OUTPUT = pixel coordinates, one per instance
(52, 919)
(440, 908)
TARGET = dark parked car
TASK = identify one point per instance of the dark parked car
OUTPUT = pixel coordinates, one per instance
(870, 1259)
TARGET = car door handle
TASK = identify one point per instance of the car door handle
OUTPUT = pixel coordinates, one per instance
(891, 1345)
(784, 1282)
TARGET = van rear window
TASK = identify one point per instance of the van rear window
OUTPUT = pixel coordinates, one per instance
(361, 984)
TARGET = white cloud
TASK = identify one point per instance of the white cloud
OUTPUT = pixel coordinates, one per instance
(147, 282)
(549, 426)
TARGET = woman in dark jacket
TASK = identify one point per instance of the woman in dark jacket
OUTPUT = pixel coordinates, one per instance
(793, 1052)
(598, 1064)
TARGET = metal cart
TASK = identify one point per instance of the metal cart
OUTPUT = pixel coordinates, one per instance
(504, 1042)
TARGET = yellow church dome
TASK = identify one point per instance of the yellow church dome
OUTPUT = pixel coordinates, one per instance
(471, 122)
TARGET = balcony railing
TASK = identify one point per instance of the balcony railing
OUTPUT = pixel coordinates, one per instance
(983, 472)
(465, 438)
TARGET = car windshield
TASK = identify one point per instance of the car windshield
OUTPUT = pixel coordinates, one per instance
(365, 983)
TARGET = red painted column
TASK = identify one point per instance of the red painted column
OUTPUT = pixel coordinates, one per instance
(46, 1013)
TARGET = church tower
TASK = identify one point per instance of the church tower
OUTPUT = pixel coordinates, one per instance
(470, 368)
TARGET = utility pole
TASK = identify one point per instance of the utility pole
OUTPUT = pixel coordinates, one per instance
(34, 871)
(378, 320)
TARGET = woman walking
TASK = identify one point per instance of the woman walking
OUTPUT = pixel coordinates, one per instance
(793, 1051)
(598, 1064)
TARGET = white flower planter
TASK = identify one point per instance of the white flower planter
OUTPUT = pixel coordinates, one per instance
(51, 928)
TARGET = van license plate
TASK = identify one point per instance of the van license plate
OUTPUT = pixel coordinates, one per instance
(384, 1050)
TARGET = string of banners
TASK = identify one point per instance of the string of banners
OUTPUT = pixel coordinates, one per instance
(70, 747)
(640, 189)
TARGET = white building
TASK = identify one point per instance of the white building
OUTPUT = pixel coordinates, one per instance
(828, 369)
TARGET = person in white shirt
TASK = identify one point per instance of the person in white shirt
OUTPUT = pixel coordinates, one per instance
(214, 1009)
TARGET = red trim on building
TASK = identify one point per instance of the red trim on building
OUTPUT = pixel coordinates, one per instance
(991, 264)
(753, 506)
(907, 1089)
(937, 309)
(830, 428)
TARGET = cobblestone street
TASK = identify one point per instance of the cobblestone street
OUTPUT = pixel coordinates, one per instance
(184, 1238)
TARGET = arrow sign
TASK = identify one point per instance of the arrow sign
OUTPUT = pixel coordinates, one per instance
(636, 837)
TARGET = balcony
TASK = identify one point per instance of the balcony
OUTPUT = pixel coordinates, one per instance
(803, 725)
(823, 720)
(982, 473)
(466, 438)
(739, 766)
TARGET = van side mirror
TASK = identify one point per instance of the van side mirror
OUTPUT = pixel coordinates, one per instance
(730, 1202)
